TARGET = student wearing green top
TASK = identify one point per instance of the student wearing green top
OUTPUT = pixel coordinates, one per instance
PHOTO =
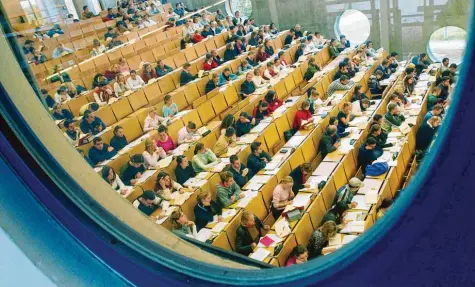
(181, 224)
(334, 52)
(227, 191)
(433, 98)
(169, 109)
(204, 158)
(392, 117)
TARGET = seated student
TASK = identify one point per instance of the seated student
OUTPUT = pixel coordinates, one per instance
(377, 134)
(298, 255)
(238, 170)
(86, 14)
(269, 72)
(153, 120)
(108, 174)
(282, 61)
(345, 116)
(342, 84)
(61, 95)
(135, 82)
(273, 101)
(258, 80)
(300, 175)
(91, 124)
(187, 41)
(393, 117)
(302, 117)
(227, 191)
(169, 109)
(320, 238)
(100, 151)
(61, 114)
(38, 57)
(258, 159)
(207, 32)
(212, 83)
(152, 154)
(374, 84)
(148, 73)
(122, 67)
(145, 203)
(426, 133)
(383, 208)
(103, 93)
(244, 67)
(314, 100)
(120, 85)
(60, 51)
(342, 70)
(224, 142)
(197, 37)
(228, 122)
(268, 49)
(344, 196)
(422, 63)
(132, 170)
(165, 186)
(118, 141)
(161, 69)
(340, 130)
(248, 233)
(216, 57)
(186, 76)
(203, 159)
(28, 47)
(334, 52)
(48, 99)
(261, 55)
(254, 40)
(384, 68)
(248, 86)
(450, 72)
(209, 63)
(243, 124)
(329, 142)
(408, 85)
(164, 140)
(273, 29)
(115, 42)
(181, 225)
(229, 53)
(183, 170)
(357, 94)
(239, 46)
(226, 76)
(260, 112)
(205, 210)
(290, 37)
(433, 98)
(251, 58)
(370, 52)
(299, 52)
(187, 133)
(358, 107)
(445, 88)
(97, 48)
(90, 107)
(343, 43)
(71, 132)
(366, 154)
(313, 67)
(282, 196)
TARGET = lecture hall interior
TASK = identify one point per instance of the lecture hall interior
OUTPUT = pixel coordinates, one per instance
(251, 134)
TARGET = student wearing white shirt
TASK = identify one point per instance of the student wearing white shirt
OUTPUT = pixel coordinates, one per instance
(135, 82)
(109, 175)
(153, 120)
(152, 154)
(318, 39)
(196, 24)
(310, 46)
(186, 133)
(187, 28)
(258, 80)
(120, 85)
(394, 98)
(358, 107)
(61, 95)
(148, 22)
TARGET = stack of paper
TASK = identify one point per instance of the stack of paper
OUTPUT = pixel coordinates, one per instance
(282, 228)
(270, 240)
(219, 227)
(248, 138)
(252, 185)
(361, 202)
(335, 240)
(354, 227)
(163, 163)
(202, 175)
(354, 216)
(204, 234)
(180, 198)
(348, 238)
(243, 202)
(194, 182)
(228, 213)
(260, 254)
(233, 150)
(259, 128)
(145, 176)
(301, 199)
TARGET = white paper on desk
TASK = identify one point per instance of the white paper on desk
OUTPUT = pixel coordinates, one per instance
(392, 163)
(282, 228)
(219, 227)
(315, 180)
(356, 122)
(248, 138)
(233, 150)
(404, 128)
(181, 149)
(301, 199)
(181, 114)
(395, 135)
(259, 128)
(180, 198)
(252, 185)
(353, 216)
(348, 238)
(260, 254)
(202, 130)
(274, 237)
(129, 190)
(250, 193)
(361, 202)
(145, 176)
(165, 162)
(170, 210)
(204, 234)
(262, 179)
(194, 182)
(202, 175)
(220, 166)
(165, 205)
(161, 220)
(295, 141)
(354, 227)
(411, 120)
(371, 196)
(335, 240)
(260, 90)
(244, 202)
(228, 213)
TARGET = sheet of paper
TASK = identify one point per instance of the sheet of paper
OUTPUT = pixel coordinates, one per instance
(348, 238)
(335, 240)
(202, 175)
(243, 202)
(274, 237)
(262, 179)
(203, 235)
(354, 227)
(260, 254)
(361, 202)
(161, 220)
(182, 197)
(145, 176)
(252, 185)
(371, 196)
(248, 138)
(301, 199)
(228, 213)
(282, 228)
(165, 162)
(219, 227)
(233, 151)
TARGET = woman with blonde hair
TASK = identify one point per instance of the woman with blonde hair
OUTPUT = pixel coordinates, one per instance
(319, 239)
(120, 85)
(282, 196)
(97, 48)
(258, 80)
(181, 224)
(206, 209)
(152, 154)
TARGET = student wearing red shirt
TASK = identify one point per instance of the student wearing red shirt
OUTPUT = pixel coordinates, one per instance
(261, 55)
(260, 112)
(269, 72)
(302, 114)
(273, 101)
(197, 37)
(209, 63)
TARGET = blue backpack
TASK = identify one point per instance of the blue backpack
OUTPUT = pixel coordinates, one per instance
(377, 169)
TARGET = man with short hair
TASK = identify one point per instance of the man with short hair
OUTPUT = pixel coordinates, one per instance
(28, 47)
(374, 83)
(300, 176)
(91, 124)
(226, 76)
(135, 82)
(72, 132)
(290, 37)
(145, 202)
(366, 154)
(239, 170)
(60, 51)
(248, 233)
(258, 159)
(100, 151)
(186, 76)
(227, 191)
(434, 98)
(298, 32)
(243, 124)
(329, 142)
(132, 170)
(392, 117)
(224, 142)
(445, 88)
(437, 111)
(86, 14)
(344, 195)
(342, 84)
(384, 68)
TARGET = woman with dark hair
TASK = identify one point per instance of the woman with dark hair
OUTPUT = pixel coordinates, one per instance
(108, 174)
(268, 48)
(409, 85)
(118, 141)
(302, 116)
(183, 170)
(298, 255)
(260, 112)
(164, 140)
(203, 159)
(148, 73)
(165, 186)
(383, 208)
(273, 101)
(228, 122)
(181, 224)
(273, 29)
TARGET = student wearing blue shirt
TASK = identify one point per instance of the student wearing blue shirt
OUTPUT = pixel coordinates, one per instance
(162, 69)
(384, 68)
(238, 170)
(207, 31)
(257, 160)
(437, 111)
(290, 37)
(205, 210)
(100, 151)
(169, 109)
(268, 48)
(212, 83)
(229, 53)
(91, 124)
(243, 124)
(226, 76)
(344, 42)
(366, 154)
(55, 30)
(186, 76)
(118, 141)
(28, 47)
(248, 87)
